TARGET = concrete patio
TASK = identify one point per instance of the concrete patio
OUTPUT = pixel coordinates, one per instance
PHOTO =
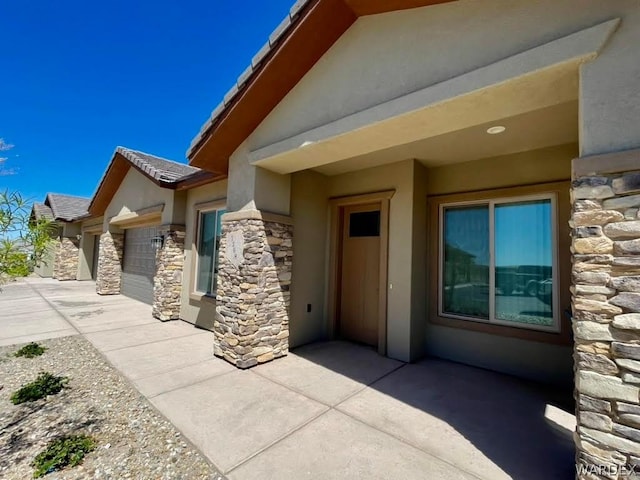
(328, 410)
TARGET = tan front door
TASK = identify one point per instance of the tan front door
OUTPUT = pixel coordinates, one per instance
(360, 274)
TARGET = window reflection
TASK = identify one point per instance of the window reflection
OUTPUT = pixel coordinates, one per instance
(524, 259)
(466, 261)
(521, 234)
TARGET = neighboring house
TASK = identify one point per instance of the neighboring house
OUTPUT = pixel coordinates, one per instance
(133, 238)
(62, 262)
(401, 177)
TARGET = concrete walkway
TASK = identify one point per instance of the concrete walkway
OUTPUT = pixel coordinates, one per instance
(327, 411)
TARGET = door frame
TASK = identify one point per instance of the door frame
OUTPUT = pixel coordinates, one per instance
(337, 204)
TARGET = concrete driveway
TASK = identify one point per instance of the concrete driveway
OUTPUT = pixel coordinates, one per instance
(327, 411)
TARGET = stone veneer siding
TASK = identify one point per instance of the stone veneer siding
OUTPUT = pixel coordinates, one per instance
(606, 322)
(65, 266)
(109, 275)
(254, 275)
(167, 282)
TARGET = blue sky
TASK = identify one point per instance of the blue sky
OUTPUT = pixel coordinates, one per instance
(78, 78)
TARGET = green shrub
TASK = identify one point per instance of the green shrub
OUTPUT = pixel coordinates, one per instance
(65, 451)
(30, 350)
(45, 384)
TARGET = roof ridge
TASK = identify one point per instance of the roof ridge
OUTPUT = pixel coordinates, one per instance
(132, 151)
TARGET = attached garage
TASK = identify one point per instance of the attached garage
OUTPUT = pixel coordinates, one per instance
(139, 263)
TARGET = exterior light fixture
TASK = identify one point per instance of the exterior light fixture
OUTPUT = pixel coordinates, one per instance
(157, 242)
(496, 130)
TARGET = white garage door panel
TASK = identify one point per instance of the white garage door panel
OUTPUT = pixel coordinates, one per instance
(139, 264)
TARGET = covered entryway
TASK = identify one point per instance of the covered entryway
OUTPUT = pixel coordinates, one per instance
(139, 264)
(359, 247)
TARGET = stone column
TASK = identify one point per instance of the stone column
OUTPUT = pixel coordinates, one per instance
(606, 313)
(167, 282)
(109, 275)
(65, 266)
(252, 321)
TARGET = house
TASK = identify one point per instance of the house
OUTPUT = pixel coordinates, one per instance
(444, 178)
(61, 262)
(133, 237)
(458, 179)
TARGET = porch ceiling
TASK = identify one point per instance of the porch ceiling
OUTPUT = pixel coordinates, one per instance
(538, 109)
(545, 127)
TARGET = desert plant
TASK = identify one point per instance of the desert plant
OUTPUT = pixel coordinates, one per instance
(30, 350)
(45, 384)
(24, 240)
(67, 451)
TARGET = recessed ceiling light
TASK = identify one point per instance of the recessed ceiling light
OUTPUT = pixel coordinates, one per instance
(495, 130)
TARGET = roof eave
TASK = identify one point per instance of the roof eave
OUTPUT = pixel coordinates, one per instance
(312, 27)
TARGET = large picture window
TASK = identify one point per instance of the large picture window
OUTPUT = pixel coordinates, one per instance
(209, 232)
(498, 262)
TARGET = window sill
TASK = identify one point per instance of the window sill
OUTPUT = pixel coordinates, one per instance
(202, 297)
(559, 338)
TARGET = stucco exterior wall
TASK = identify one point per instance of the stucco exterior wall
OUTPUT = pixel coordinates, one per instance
(88, 243)
(198, 312)
(137, 192)
(310, 213)
(367, 56)
(45, 267)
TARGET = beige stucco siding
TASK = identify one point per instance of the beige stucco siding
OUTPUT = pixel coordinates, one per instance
(309, 210)
(91, 229)
(137, 192)
(198, 312)
(480, 34)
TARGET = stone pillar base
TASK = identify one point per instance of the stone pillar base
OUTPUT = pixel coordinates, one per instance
(254, 275)
(167, 282)
(65, 266)
(606, 316)
(109, 275)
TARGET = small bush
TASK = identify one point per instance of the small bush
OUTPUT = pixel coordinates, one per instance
(65, 451)
(30, 350)
(45, 384)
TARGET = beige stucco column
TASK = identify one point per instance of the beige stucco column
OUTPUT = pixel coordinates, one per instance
(606, 311)
(167, 282)
(109, 275)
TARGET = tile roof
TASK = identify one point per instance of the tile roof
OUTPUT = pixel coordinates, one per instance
(255, 64)
(159, 169)
(40, 210)
(67, 207)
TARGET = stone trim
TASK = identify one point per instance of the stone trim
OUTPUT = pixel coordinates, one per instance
(617, 162)
(109, 275)
(167, 282)
(65, 266)
(606, 312)
(257, 215)
(253, 298)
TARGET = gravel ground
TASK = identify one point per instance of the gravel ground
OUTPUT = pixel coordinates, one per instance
(134, 441)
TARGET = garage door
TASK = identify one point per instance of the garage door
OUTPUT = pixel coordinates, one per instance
(139, 264)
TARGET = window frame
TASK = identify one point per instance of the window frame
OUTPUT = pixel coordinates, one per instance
(491, 203)
(561, 189)
(200, 210)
